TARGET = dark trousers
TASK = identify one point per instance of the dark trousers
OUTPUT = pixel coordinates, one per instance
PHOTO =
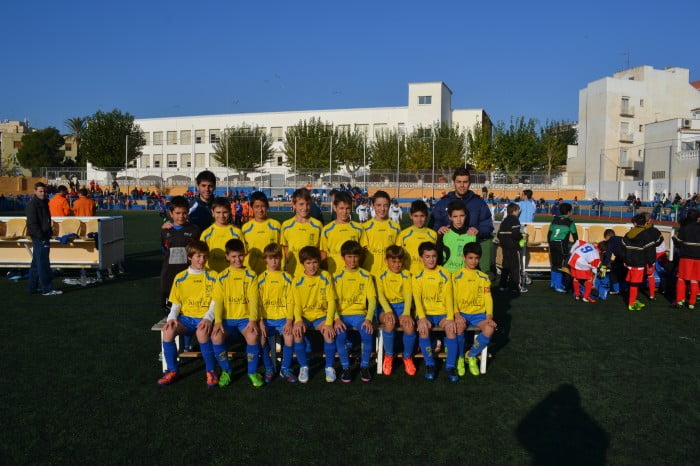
(510, 268)
(40, 271)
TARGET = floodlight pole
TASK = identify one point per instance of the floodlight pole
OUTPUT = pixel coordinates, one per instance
(296, 180)
(433, 183)
(228, 180)
(126, 162)
(330, 163)
(364, 159)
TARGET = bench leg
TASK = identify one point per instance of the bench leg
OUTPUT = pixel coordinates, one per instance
(162, 356)
(379, 341)
(484, 358)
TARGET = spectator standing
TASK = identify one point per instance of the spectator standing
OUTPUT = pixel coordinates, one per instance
(84, 206)
(39, 230)
(58, 205)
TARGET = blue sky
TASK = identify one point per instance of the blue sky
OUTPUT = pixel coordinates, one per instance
(156, 58)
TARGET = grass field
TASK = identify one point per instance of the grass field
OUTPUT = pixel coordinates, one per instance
(569, 383)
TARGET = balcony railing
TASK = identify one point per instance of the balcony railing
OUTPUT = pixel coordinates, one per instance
(626, 137)
(627, 111)
(688, 154)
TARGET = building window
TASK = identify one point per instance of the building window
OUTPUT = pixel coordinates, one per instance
(380, 129)
(172, 138)
(172, 160)
(361, 128)
(402, 129)
(623, 157)
(625, 107)
(280, 161)
(147, 138)
(425, 99)
(186, 137)
(145, 161)
(185, 160)
(199, 136)
(157, 138)
(641, 128)
(343, 129)
(277, 133)
(200, 160)
(69, 146)
(16, 144)
(156, 164)
(641, 102)
(658, 175)
(214, 136)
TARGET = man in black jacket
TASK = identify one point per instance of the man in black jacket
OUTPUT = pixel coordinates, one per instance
(39, 230)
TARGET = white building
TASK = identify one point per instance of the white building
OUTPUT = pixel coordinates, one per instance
(177, 148)
(613, 116)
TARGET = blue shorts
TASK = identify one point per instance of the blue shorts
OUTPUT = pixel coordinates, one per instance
(314, 324)
(474, 319)
(234, 327)
(354, 322)
(190, 323)
(435, 320)
(274, 326)
(397, 308)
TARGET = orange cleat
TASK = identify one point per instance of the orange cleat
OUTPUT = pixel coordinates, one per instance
(388, 365)
(168, 378)
(409, 367)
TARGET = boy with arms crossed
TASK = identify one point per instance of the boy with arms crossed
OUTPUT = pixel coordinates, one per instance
(451, 244)
(217, 234)
(339, 231)
(299, 231)
(413, 236)
(259, 232)
(380, 233)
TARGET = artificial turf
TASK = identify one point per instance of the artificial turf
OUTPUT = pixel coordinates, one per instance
(569, 383)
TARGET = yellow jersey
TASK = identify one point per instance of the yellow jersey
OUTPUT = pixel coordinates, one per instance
(356, 293)
(296, 235)
(192, 290)
(394, 288)
(257, 236)
(275, 291)
(216, 237)
(379, 235)
(332, 238)
(409, 239)
(236, 295)
(314, 297)
(472, 291)
(432, 291)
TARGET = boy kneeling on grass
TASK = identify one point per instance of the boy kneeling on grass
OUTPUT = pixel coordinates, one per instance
(192, 311)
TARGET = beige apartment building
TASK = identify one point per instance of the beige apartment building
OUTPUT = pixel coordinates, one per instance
(11, 133)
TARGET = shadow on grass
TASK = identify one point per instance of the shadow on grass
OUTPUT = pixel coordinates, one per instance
(558, 431)
(501, 314)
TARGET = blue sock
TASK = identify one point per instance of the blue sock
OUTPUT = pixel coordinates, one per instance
(556, 279)
(267, 360)
(479, 345)
(329, 349)
(252, 352)
(300, 350)
(341, 339)
(451, 346)
(307, 342)
(409, 343)
(367, 346)
(221, 355)
(170, 355)
(388, 342)
(187, 342)
(461, 345)
(426, 348)
(287, 352)
(208, 355)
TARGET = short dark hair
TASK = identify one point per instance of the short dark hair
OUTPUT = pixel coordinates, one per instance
(342, 196)
(273, 250)
(62, 189)
(82, 191)
(179, 201)
(461, 171)
(235, 245)
(512, 208)
(608, 233)
(527, 193)
(221, 202)
(472, 247)
(381, 194)
(456, 204)
(395, 252)
(639, 220)
(301, 193)
(39, 184)
(351, 247)
(196, 246)
(565, 208)
(308, 253)
(259, 196)
(206, 175)
(602, 246)
(419, 206)
(426, 246)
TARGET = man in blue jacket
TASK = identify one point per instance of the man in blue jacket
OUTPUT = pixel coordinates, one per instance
(480, 220)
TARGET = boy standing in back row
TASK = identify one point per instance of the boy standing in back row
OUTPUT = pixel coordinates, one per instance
(511, 240)
(259, 232)
(299, 231)
(339, 231)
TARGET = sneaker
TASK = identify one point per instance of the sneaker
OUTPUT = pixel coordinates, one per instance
(409, 367)
(560, 290)
(330, 375)
(522, 289)
(452, 375)
(269, 375)
(430, 372)
(168, 378)
(365, 374)
(212, 379)
(528, 280)
(461, 370)
(304, 374)
(288, 375)
(224, 379)
(678, 304)
(473, 366)
(52, 293)
(639, 305)
(577, 298)
(256, 379)
(613, 292)
(346, 376)
(388, 365)
(691, 306)
(589, 300)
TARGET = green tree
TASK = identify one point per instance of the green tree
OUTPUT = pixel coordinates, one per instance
(383, 150)
(104, 139)
(308, 145)
(244, 144)
(516, 146)
(41, 148)
(76, 128)
(555, 136)
(351, 150)
(480, 147)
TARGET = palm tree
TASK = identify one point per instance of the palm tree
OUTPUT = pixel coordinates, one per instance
(76, 127)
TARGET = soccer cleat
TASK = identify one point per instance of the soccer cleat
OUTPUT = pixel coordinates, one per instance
(304, 374)
(560, 290)
(461, 370)
(330, 375)
(346, 376)
(691, 306)
(168, 378)
(269, 375)
(212, 379)
(430, 372)
(409, 367)
(224, 379)
(452, 375)
(577, 298)
(589, 300)
(52, 293)
(365, 374)
(256, 379)
(288, 375)
(639, 305)
(678, 304)
(388, 365)
(473, 366)
(522, 289)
